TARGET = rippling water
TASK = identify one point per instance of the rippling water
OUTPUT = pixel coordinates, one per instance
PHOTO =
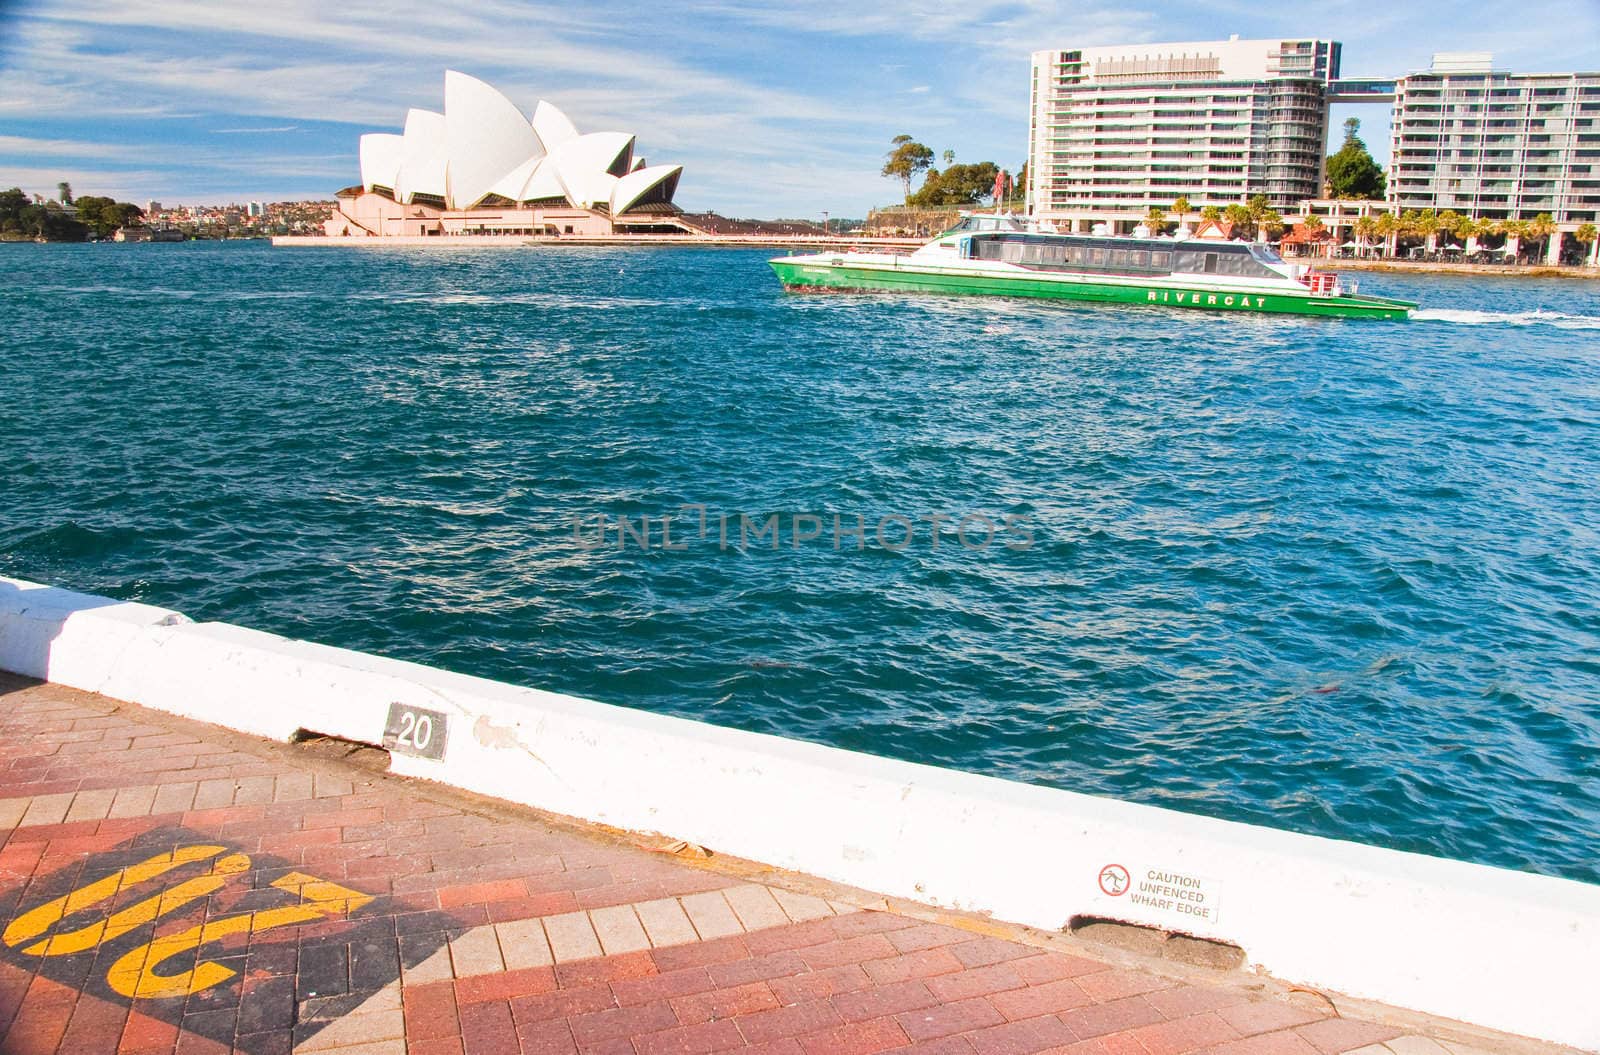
(1341, 577)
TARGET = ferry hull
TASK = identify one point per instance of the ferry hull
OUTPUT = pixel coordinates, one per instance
(820, 275)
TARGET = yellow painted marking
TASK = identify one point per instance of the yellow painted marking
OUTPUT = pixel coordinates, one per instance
(85, 938)
(135, 975)
(36, 921)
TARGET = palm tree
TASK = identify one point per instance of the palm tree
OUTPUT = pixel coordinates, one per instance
(1211, 214)
(1427, 226)
(1388, 228)
(1238, 217)
(1448, 221)
(1515, 231)
(1588, 235)
(1155, 219)
(1181, 207)
(1365, 228)
(1540, 228)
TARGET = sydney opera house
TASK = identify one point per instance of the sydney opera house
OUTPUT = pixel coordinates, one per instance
(481, 167)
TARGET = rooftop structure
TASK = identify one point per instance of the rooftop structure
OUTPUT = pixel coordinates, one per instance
(482, 167)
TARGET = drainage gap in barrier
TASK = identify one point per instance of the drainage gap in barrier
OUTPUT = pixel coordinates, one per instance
(1153, 941)
(354, 752)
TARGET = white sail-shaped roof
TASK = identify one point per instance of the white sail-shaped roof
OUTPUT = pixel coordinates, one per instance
(424, 160)
(655, 183)
(482, 145)
(512, 184)
(544, 184)
(381, 154)
(552, 125)
(486, 138)
(585, 166)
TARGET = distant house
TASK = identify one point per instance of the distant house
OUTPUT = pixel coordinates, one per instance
(131, 234)
(1306, 240)
(1221, 230)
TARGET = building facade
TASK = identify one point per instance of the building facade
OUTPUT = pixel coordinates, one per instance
(1496, 145)
(1117, 130)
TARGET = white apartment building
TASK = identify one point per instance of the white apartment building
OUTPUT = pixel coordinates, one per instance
(1116, 130)
(1496, 145)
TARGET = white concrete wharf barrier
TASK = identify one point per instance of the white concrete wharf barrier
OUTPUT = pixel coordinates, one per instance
(1507, 950)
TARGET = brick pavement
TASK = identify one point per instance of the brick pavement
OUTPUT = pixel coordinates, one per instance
(167, 887)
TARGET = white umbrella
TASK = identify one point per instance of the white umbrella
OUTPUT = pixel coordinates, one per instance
(1351, 245)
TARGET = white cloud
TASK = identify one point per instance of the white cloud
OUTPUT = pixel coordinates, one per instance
(772, 108)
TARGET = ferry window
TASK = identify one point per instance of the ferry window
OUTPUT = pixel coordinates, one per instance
(1141, 258)
(1211, 263)
(1161, 260)
(1098, 257)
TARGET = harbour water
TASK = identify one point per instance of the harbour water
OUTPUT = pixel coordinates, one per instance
(1336, 576)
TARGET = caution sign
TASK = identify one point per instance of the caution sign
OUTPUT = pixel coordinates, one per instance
(1180, 896)
(174, 919)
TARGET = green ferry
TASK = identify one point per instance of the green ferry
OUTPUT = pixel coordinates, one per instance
(998, 255)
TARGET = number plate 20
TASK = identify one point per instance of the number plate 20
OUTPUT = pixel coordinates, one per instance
(416, 731)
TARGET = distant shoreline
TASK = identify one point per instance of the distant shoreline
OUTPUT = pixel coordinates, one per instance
(816, 243)
(1435, 267)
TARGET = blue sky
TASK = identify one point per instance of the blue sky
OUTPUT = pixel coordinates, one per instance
(774, 109)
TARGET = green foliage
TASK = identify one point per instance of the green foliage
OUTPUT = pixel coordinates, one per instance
(64, 192)
(1586, 233)
(906, 159)
(104, 215)
(23, 218)
(1351, 170)
(956, 185)
(1256, 217)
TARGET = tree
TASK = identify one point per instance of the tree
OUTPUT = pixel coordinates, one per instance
(1180, 208)
(1256, 217)
(906, 160)
(1019, 186)
(1211, 213)
(1351, 171)
(1540, 228)
(103, 216)
(1156, 219)
(956, 185)
(1388, 228)
(1264, 219)
(1425, 224)
(1238, 217)
(1365, 229)
(1449, 220)
(12, 203)
(1588, 235)
(64, 192)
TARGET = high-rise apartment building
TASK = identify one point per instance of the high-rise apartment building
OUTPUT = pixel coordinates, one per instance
(1116, 130)
(1497, 145)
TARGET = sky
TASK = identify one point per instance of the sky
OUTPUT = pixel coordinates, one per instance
(774, 109)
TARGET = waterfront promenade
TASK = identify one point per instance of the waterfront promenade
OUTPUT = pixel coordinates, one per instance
(172, 887)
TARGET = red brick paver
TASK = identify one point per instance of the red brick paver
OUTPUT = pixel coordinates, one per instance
(270, 901)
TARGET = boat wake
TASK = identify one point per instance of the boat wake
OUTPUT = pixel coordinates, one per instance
(1468, 317)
